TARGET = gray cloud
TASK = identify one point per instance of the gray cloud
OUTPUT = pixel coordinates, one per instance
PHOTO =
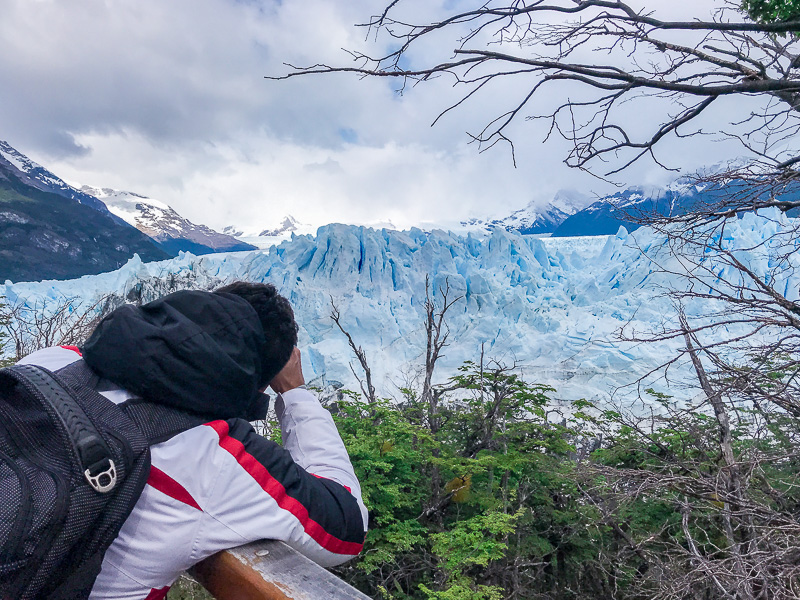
(169, 99)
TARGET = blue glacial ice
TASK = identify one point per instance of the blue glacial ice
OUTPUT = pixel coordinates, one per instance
(553, 305)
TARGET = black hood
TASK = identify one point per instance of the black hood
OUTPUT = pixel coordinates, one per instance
(197, 351)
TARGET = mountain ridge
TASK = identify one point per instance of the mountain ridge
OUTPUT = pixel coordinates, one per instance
(51, 235)
(158, 222)
(173, 232)
(35, 175)
(635, 206)
(534, 218)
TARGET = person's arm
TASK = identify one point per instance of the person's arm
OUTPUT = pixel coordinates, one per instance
(304, 493)
(308, 430)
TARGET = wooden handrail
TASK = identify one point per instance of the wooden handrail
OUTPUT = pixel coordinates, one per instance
(269, 570)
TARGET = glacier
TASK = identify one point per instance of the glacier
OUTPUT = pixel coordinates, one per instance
(553, 306)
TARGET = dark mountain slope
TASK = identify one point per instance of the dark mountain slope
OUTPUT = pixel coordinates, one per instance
(44, 235)
(633, 206)
(36, 176)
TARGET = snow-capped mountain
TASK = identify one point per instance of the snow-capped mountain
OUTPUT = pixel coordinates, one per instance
(288, 225)
(37, 176)
(162, 223)
(626, 208)
(284, 227)
(534, 218)
(630, 207)
(232, 230)
(271, 234)
(51, 230)
(553, 305)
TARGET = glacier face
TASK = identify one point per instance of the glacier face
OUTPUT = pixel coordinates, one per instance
(554, 306)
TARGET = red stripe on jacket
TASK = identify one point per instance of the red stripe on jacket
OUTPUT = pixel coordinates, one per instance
(275, 488)
(167, 485)
(73, 348)
(329, 479)
(157, 594)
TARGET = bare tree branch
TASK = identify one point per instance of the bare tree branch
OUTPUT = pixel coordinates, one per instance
(369, 390)
(629, 52)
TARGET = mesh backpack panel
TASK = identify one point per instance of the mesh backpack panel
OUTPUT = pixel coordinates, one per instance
(56, 432)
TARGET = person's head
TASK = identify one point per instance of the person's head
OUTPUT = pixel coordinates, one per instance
(277, 320)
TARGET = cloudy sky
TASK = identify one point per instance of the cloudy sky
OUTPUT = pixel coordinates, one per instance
(168, 98)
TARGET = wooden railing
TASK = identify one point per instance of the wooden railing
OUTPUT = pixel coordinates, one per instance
(270, 570)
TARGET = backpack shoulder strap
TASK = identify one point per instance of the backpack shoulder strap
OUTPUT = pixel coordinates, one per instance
(90, 450)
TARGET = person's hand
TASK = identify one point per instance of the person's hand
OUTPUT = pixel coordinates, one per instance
(291, 376)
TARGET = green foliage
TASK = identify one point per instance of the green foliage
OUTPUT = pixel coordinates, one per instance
(664, 484)
(5, 360)
(772, 11)
(474, 541)
(387, 451)
(187, 589)
(464, 589)
(9, 195)
(455, 507)
(485, 496)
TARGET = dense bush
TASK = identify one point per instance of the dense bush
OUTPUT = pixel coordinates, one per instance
(497, 497)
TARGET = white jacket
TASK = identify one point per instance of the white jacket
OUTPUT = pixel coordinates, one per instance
(221, 485)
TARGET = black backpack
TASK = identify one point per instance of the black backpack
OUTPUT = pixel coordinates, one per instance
(72, 466)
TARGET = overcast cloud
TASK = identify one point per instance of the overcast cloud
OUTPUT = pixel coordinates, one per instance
(168, 98)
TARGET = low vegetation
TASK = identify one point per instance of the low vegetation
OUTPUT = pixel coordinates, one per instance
(501, 498)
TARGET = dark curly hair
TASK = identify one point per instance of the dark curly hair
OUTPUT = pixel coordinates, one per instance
(277, 319)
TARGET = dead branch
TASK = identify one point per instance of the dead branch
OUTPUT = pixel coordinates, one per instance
(367, 390)
(627, 51)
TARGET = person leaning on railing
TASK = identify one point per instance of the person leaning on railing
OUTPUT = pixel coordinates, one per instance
(220, 484)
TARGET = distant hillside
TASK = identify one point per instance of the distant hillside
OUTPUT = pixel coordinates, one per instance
(36, 176)
(624, 209)
(46, 235)
(171, 231)
(630, 207)
(534, 218)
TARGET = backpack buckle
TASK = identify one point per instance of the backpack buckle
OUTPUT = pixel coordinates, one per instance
(105, 480)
